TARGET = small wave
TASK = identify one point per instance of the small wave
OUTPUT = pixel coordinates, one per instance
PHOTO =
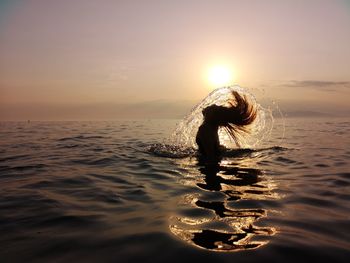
(174, 151)
(247, 151)
(68, 146)
(171, 151)
(70, 221)
(80, 137)
(34, 167)
(14, 157)
(222, 241)
(97, 161)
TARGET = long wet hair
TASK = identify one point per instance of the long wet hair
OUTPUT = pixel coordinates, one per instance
(237, 117)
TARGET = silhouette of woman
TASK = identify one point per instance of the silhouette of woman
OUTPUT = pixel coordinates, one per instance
(235, 119)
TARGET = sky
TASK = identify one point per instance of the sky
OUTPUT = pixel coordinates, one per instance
(106, 59)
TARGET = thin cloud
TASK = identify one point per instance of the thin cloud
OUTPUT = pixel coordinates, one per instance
(318, 84)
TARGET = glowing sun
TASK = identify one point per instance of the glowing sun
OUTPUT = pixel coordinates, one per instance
(220, 76)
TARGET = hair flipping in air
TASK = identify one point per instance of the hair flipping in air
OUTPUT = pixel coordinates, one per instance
(238, 116)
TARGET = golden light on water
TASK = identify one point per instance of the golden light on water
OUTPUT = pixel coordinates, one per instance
(220, 76)
(227, 226)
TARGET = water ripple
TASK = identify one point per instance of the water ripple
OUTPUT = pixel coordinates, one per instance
(111, 191)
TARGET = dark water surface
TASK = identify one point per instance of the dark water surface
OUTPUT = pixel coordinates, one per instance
(92, 192)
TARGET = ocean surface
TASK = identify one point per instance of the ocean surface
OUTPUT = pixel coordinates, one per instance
(100, 192)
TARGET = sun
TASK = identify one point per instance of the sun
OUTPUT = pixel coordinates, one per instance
(219, 76)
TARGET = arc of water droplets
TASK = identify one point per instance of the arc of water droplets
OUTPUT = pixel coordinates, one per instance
(185, 132)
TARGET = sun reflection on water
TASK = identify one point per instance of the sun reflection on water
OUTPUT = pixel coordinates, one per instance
(227, 225)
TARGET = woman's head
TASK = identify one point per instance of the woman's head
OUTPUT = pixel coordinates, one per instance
(213, 113)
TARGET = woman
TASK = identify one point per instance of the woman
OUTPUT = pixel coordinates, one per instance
(235, 119)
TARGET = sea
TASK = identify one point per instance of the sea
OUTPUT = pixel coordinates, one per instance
(114, 191)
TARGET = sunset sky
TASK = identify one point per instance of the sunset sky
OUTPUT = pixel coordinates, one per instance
(108, 59)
